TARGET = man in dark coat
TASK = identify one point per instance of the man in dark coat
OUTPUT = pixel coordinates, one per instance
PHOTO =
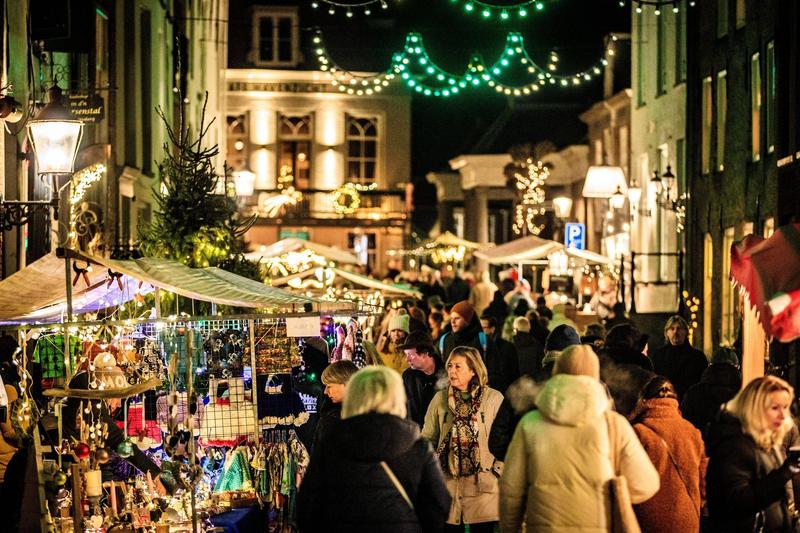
(530, 351)
(503, 368)
(506, 349)
(677, 360)
(425, 371)
(720, 382)
(458, 289)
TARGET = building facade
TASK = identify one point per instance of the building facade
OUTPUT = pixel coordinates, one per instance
(658, 147)
(117, 63)
(345, 156)
(732, 157)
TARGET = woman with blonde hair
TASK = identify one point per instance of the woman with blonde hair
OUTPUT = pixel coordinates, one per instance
(564, 454)
(373, 472)
(458, 423)
(749, 478)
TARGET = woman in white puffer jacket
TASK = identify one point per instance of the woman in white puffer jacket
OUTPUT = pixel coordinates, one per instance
(559, 463)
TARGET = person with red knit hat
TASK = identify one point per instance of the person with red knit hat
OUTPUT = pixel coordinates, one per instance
(467, 331)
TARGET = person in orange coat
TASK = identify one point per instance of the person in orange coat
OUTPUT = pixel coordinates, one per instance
(676, 449)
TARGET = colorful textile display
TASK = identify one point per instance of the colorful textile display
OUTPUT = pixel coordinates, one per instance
(228, 417)
(279, 405)
(275, 352)
(49, 352)
(224, 352)
(174, 343)
(180, 413)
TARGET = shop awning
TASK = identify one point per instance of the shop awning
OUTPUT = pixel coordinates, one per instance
(37, 293)
(450, 239)
(530, 248)
(358, 279)
(299, 245)
(533, 248)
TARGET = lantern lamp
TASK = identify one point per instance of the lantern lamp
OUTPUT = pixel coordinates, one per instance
(604, 181)
(55, 136)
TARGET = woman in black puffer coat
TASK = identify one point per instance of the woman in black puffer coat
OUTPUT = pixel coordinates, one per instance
(748, 480)
(348, 488)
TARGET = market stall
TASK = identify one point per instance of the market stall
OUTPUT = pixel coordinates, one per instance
(209, 404)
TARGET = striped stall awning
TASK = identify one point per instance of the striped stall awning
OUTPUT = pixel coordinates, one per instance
(37, 293)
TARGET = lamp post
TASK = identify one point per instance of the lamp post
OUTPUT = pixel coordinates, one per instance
(562, 207)
(54, 136)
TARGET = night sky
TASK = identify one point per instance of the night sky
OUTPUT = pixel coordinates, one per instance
(444, 128)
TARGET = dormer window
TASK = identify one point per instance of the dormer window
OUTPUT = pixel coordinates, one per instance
(275, 37)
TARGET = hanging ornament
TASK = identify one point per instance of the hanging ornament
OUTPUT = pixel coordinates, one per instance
(60, 478)
(81, 450)
(102, 455)
(125, 448)
(114, 276)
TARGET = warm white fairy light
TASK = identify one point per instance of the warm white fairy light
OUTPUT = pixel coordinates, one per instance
(530, 185)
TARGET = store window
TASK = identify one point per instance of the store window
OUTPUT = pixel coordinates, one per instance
(275, 37)
(755, 107)
(294, 148)
(236, 142)
(772, 97)
(707, 121)
(722, 18)
(708, 293)
(362, 149)
(364, 247)
(680, 43)
(741, 13)
(729, 295)
(722, 116)
(662, 54)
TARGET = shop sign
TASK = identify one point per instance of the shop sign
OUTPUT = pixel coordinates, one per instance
(306, 326)
(575, 235)
(88, 108)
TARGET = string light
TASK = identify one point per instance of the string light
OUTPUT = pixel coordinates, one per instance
(348, 7)
(530, 185)
(415, 68)
(506, 12)
(692, 304)
(657, 5)
(81, 181)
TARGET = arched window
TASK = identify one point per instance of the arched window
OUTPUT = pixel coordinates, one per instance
(362, 149)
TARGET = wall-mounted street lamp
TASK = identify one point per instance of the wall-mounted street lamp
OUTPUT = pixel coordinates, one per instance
(617, 200)
(562, 206)
(54, 136)
(663, 185)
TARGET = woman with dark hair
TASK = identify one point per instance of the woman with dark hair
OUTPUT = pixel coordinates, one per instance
(676, 449)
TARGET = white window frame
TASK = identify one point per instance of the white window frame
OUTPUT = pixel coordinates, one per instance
(722, 117)
(275, 13)
(376, 120)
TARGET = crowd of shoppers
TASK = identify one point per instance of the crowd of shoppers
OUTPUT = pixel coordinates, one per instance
(494, 413)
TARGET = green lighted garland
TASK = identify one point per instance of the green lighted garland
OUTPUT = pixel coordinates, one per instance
(347, 8)
(414, 67)
(490, 11)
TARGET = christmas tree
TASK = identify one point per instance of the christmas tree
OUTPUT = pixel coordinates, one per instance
(194, 223)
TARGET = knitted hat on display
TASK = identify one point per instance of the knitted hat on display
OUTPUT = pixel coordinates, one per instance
(561, 337)
(522, 324)
(464, 310)
(400, 322)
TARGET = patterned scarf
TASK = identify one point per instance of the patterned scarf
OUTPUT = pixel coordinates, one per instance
(459, 452)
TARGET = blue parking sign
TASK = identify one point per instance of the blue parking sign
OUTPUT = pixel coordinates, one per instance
(575, 235)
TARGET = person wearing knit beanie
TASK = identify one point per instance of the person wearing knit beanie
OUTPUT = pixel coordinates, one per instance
(400, 322)
(560, 339)
(464, 310)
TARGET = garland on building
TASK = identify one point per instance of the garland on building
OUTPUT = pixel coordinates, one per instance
(529, 191)
(348, 8)
(194, 224)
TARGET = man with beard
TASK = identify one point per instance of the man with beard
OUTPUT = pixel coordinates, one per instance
(677, 360)
(466, 331)
(421, 378)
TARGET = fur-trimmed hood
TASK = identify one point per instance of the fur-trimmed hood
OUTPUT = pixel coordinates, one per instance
(572, 400)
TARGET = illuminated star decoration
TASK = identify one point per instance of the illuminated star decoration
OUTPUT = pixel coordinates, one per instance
(530, 185)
